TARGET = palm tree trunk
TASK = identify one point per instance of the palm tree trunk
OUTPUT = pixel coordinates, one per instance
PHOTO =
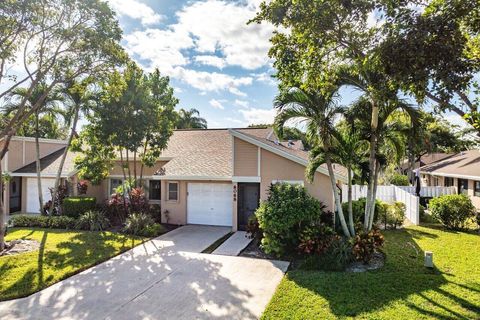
(375, 186)
(64, 156)
(350, 206)
(338, 204)
(371, 164)
(37, 161)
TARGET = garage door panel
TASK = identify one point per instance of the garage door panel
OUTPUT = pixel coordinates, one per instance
(32, 193)
(209, 203)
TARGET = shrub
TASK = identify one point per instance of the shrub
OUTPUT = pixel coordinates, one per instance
(400, 180)
(76, 206)
(152, 230)
(54, 222)
(253, 228)
(82, 186)
(316, 239)
(92, 220)
(288, 209)
(358, 208)
(141, 224)
(365, 244)
(336, 258)
(395, 214)
(452, 210)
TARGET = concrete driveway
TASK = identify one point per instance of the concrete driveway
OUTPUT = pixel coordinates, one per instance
(165, 278)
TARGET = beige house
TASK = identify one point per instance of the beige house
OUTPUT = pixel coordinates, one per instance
(461, 170)
(213, 177)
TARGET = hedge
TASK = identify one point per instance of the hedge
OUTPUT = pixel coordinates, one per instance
(31, 221)
(76, 206)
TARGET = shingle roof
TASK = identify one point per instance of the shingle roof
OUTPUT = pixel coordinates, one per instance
(49, 164)
(466, 163)
(199, 153)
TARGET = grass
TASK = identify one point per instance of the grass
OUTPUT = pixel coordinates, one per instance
(217, 243)
(62, 253)
(403, 289)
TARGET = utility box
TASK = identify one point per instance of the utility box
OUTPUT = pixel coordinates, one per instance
(429, 259)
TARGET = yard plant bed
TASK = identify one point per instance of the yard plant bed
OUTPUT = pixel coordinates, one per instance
(61, 254)
(402, 289)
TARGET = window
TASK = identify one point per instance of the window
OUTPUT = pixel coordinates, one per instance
(463, 186)
(172, 191)
(154, 190)
(114, 184)
(435, 181)
(448, 182)
(476, 191)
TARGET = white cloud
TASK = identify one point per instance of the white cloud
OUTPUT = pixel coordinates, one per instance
(218, 25)
(136, 10)
(217, 104)
(211, 61)
(241, 103)
(162, 48)
(265, 78)
(211, 81)
(258, 116)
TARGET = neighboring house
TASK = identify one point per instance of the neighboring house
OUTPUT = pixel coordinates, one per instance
(212, 177)
(424, 160)
(461, 170)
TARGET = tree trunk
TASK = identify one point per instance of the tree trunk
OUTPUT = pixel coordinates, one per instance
(64, 156)
(411, 160)
(3, 211)
(338, 203)
(375, 185)
(135, 168)
(350, 206)
(38, 167)
(371, 164)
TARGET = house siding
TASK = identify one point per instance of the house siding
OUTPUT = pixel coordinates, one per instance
(274, 167)
(246, 159)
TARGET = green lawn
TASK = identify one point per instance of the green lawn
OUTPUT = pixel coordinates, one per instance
(62, 253)
(403, 289)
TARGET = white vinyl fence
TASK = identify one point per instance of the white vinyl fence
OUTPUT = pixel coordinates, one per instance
(403, 194)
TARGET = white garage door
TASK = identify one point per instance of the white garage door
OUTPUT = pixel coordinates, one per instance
(32, 193)
(209, 203)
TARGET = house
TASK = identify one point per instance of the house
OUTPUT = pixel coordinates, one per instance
(461, 170)
(213, 176)
(424, 160)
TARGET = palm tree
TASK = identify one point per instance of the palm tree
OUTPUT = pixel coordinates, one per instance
(391, 133)
(376, 91)
(49, 106)
(319, 112)
(79, 99)
(190, 119)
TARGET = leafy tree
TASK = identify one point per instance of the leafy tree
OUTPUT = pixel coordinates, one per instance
(319, 113)
(190, 119)
(49, 127)
(59, 40)
(134, 117)
(434, 53)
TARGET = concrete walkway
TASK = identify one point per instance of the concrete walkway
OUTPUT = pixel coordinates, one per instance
(165, 278)
(234, 245)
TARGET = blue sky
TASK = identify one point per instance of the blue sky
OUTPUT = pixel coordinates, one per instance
(216, 62)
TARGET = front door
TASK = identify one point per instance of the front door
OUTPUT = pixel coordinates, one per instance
(248, 201)
(15, 194)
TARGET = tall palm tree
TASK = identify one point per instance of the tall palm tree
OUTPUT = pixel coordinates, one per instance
(391, 133)
(49, 105)
(190, 119)
(319, 112)
(78, 99)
